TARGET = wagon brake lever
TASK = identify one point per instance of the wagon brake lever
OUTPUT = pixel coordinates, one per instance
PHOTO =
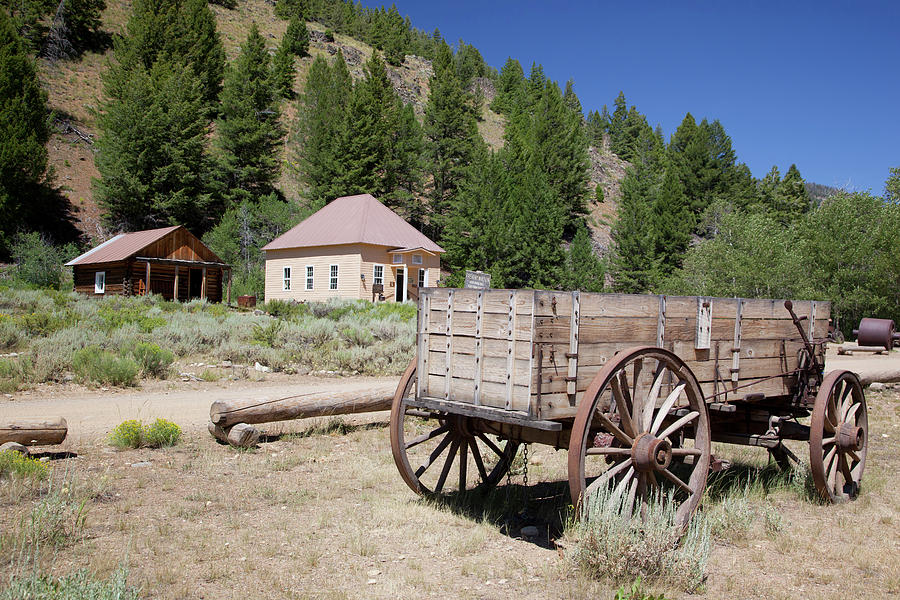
(797, 322)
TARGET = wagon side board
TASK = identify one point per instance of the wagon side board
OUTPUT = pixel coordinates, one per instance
(537, 351)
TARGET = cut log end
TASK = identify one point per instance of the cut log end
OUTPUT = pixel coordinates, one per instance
(240, 435)
(14, 447)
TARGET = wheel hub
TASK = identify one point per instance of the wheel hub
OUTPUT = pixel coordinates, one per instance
(850, 437)
(651, 453)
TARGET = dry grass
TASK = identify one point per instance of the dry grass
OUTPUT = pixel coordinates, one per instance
(323, 513)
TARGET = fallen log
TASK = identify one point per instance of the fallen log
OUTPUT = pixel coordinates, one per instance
(883, 376)
(851, 349)
(243, 435)
(226, 413)
(218, 433)
(34, 432)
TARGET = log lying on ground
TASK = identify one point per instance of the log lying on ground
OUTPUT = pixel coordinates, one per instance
(883, 376)
(852, 349)
(241, 435)
(226, 413)
(15, 446)
(34, 432)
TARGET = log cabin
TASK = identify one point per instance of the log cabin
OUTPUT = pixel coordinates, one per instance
(170, 261)
(356, 248)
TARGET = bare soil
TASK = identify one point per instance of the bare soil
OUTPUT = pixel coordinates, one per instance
(324, 513)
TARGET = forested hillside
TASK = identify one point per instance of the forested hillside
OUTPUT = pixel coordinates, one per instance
(237, 119)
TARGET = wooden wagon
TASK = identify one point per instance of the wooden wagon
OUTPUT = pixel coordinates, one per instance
(636, 387)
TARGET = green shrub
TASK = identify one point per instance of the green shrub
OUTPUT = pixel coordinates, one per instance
(13, 374)
(41, 323)
(11, 333)
(152, 359)
(636, 591)
(127, 434)
(133, 434)
(80, 585)
(100, 366)
(14, 463)
(56, 520)
(267, 335)
(609, 542)
(161, 434)
(118, 313)
(286, 310)
(39, 262)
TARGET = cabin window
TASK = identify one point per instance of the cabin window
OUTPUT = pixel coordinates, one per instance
(286, 285)
(398, 259)
(309, 277)
(423, 278)
(100, 282)
(332, 281)
(378, 275)
(417, 259)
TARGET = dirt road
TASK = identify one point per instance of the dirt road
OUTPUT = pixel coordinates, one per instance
(92, 413)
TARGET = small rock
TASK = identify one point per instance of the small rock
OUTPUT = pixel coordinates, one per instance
(143, 463)
(501, 582)
(68, 378)
(103, 389)
(262, 368)
(15, 446)
(227, 363)
(8, 395)
(373, 572)
(530, 531)
(876, 386)
(372, 582)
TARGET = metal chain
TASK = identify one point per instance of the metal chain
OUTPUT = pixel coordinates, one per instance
(525, 470)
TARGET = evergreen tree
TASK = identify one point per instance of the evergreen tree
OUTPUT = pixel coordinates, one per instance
(83, 21)
(596, 127)
(175, 30)
(27, 17)
(451, 134)
(672, 223)
(152, 151)
(793, 197)
(248, 133)
(403, 166)
(583, 270)
(290, 9)
(322, 110)
(510, 87)
(571, 99)
(296, 37)
(23, 129)
(282, 75)
(469, 63)
(617, 124)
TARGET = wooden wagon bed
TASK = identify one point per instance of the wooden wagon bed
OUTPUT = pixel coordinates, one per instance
(534, 352)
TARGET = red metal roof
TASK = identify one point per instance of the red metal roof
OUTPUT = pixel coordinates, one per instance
(122, 246)
(360, 219)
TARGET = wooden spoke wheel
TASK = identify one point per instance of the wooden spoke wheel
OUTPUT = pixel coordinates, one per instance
(439, 453)
(838, 437)
(642, 429)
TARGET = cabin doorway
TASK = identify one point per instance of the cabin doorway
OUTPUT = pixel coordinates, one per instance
(195, 283)
(400, 292)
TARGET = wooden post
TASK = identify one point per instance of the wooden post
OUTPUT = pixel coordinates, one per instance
(147, 282)
(229, 284)
(175, 290)
(203, 285)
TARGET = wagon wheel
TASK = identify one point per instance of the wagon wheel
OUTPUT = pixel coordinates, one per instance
(437, 453)
(633, 433)
(838, 437)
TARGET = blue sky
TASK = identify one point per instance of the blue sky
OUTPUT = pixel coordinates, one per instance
(811, 83)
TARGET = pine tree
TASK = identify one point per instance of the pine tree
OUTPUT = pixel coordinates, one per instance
(23, 129)
(322, 110)
(793, 199)
(289, 9)
(283, 72)
(248, 133)
(451, 134)
(510, 87)
(152, 151)
(617, 124)
(403, 167)
(296, 38)
(672, 223)
(175, 30)
(571, 99)
(583, 270)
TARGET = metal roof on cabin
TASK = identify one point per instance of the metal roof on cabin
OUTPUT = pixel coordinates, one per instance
(360, 219)
(122, 246)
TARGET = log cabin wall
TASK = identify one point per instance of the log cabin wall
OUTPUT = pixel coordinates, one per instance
(180, 245)
(116, 275)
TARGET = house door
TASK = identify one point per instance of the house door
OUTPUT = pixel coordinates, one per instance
(196, 281)
(400, 293)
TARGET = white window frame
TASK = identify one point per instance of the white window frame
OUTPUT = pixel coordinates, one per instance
(417, 259)
(286, 279)
(423, 278)
(398, 259)
(310, 277)
(332, 277)
(100, 282)
(376, 278)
